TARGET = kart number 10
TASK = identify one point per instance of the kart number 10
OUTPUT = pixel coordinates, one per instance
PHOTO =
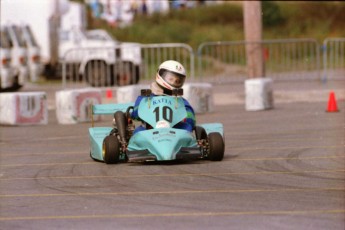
(166, 111)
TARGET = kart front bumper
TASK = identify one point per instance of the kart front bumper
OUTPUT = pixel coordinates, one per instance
(185, 153)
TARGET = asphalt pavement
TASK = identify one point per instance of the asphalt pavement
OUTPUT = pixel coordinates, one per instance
(283, 168)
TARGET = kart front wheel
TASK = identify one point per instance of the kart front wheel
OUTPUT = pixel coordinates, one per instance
(111, 150)
(216, 147)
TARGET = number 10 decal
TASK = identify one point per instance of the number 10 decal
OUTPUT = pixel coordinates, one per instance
(167, 113)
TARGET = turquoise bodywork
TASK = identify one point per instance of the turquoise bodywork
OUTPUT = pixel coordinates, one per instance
(159, 108)
(97, 134)
(163, 141)
(213, 128)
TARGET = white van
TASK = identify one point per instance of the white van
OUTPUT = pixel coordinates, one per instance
(18, 52)
(34, 53)
(8, 75)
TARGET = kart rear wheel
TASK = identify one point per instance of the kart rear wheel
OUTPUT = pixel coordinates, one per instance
(97, 73)
(111, 150)
(216, 147)
(200, 133)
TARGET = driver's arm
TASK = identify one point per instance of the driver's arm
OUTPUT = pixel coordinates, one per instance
(190, 119)
(135, 112)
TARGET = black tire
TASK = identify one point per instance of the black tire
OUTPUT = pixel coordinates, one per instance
(97, 74)
(72, 72)
(111, 150)
(15, 87)
(200, 133)
(216, 147)
(137, 75)
(124, 74)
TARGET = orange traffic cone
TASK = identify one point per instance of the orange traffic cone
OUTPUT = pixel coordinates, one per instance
(332, 103)
(109, 94)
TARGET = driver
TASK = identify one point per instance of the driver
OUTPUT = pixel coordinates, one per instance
(170, 75)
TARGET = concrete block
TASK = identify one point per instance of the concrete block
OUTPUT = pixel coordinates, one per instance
(259, 94)
(73, 106)
(129, 93)
(200, 96)
(23, 108)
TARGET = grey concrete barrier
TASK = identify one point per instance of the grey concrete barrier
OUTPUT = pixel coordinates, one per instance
(73, 106)
(23, 108)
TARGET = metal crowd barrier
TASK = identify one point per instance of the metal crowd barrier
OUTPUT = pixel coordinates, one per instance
(283, 59)
(287, 59)
(333, 59)
(154, 54)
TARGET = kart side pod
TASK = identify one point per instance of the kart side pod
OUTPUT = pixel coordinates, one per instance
(98, 134)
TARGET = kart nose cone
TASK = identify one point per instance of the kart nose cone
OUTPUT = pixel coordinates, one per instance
(164, 143)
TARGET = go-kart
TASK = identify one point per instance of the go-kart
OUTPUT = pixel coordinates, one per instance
(160, 141)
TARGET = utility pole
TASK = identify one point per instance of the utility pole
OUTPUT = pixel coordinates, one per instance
(253, 37)
(54, 23)
(258, 89)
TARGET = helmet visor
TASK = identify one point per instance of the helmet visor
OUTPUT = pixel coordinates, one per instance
(174, 79)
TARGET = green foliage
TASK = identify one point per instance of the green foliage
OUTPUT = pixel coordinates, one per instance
(225, 15)
(312, 19)
(78, 1)
(191, 26)
(318, 13)
(271, 15)
(224, 22)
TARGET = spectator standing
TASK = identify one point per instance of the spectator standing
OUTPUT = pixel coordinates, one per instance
(144, 7)
(96, 8)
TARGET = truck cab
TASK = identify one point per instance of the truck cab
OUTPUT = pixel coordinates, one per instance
(34, 53)
(8, 75)
(101, 60)
(18, 52)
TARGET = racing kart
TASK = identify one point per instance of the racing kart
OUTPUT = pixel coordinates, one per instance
(160, 141)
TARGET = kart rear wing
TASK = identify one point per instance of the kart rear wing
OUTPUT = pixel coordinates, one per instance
(108, 109)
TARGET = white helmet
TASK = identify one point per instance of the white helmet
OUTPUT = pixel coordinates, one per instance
(171, 75)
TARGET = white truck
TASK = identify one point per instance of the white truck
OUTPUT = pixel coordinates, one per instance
(19, 52)
(33, 52)
(8, 74)
(75, 53)
(97, 58)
